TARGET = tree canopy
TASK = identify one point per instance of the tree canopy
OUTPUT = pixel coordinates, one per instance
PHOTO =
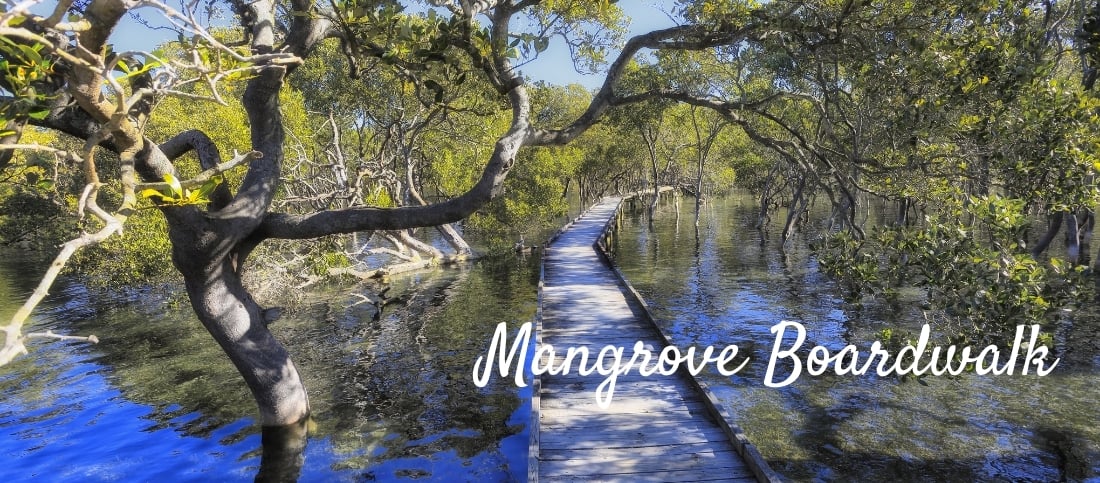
(383, 115)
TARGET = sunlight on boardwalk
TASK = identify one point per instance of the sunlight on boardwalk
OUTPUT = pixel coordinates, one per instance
(657, 428)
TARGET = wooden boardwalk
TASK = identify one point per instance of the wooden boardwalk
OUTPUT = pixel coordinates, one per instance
(657, 428)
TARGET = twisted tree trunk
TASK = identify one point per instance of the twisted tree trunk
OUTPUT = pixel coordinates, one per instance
(238, 325)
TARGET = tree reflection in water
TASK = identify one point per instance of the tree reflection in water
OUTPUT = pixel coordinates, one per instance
(283, 456)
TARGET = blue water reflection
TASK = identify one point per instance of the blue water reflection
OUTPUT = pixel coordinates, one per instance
(156, 400)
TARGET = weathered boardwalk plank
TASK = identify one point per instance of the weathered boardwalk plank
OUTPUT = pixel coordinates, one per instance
(658, 428)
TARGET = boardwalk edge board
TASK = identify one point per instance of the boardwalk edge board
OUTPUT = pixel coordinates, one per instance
(536, 386)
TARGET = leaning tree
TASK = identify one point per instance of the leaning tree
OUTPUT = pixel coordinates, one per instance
(61, 74)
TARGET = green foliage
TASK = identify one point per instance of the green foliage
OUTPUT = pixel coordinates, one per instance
(722, 178)
(1088, 37)
(612, 157)
(718, 13)
(23, 68)
(39, 195)
(533, 202)
(379, 197)
(131, 72)
(327, 254)
(30, 218)
(33, 212)
(227, 126)
(425, 47)
(1050, 153)
(180, 196)
(138, 256)
(984, 287)
(592, 28)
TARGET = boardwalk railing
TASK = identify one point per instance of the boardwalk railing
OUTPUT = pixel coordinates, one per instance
(659, 431)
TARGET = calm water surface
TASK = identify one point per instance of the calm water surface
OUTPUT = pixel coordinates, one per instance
(726, 287)
(157, 400)
(392, 398)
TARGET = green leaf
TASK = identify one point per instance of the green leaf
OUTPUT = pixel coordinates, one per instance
(150, 192)
(38, 115)
(174, 183)
(31, 53)
(208, 188)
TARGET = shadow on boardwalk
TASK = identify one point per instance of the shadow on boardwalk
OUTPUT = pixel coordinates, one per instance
(657, 428)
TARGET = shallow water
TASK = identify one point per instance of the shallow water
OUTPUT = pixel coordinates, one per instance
(726, 287)
(157, 400)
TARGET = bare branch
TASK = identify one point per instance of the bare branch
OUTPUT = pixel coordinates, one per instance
(49, 334)
(13, 338)
(47, 149)
(188, 23)
(351, 220)
(208, 174)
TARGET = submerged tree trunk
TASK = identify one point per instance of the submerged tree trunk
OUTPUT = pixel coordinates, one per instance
(698, 194)
(1086, 235)
(903, 212)
(703, 145)
(1054, 224)
(238, 325)
(656, 184)
(209, 249)
(793, 211)
(282, 457)
(765, 201)
(649, 135)
(1073, 238)
(1078, 236)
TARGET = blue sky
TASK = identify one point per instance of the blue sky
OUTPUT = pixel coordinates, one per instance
(553, 65)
